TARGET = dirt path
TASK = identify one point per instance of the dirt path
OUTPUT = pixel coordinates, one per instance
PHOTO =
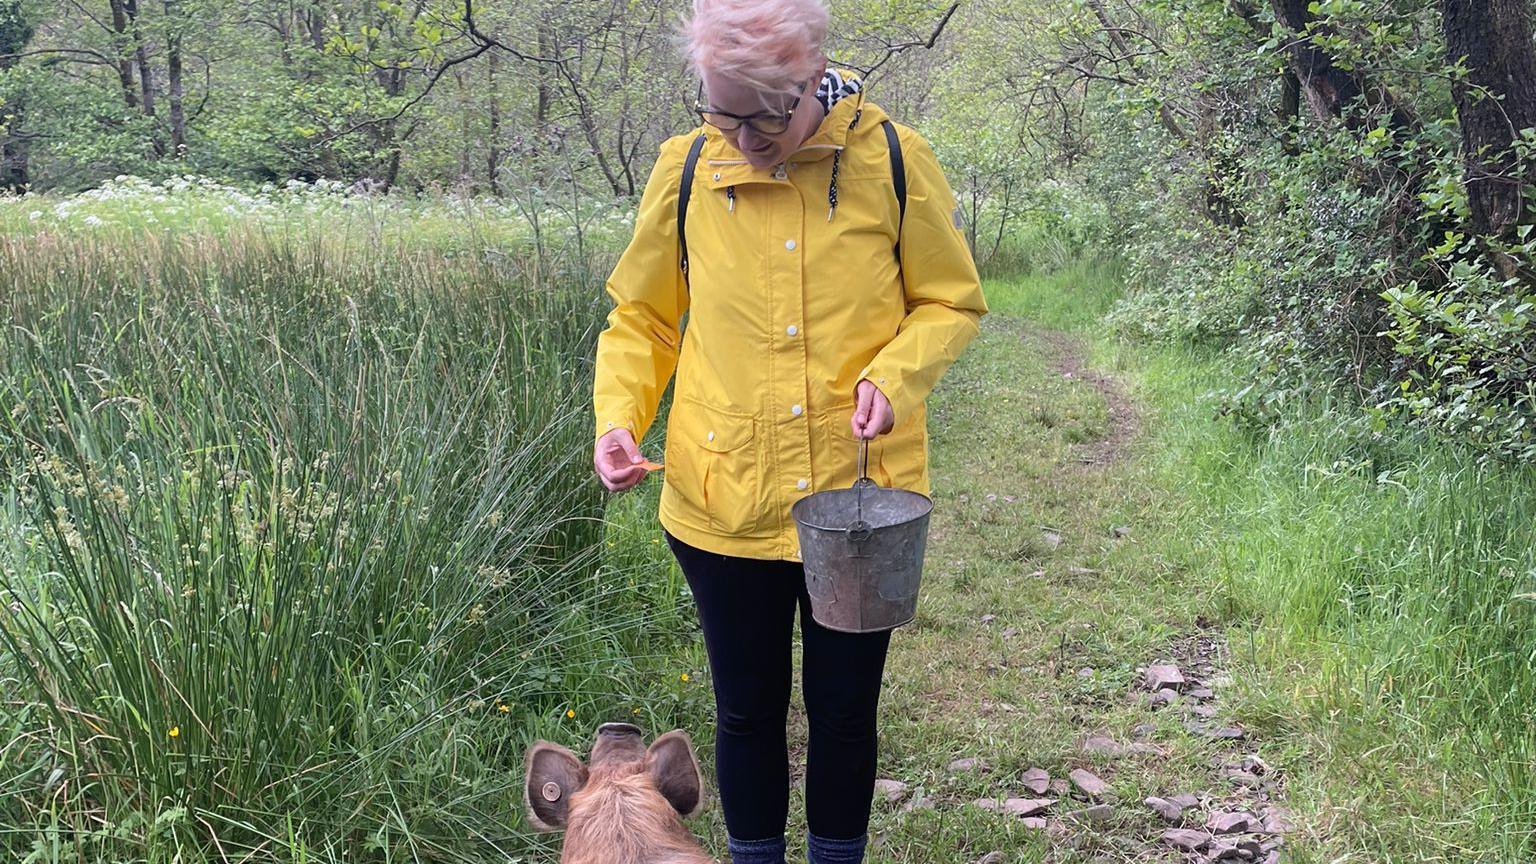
(1060, 697)
(1064, 353)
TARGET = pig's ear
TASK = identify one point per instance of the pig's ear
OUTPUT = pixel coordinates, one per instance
(675, 771)
(553, 774)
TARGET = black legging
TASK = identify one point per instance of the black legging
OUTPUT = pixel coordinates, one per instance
(747, 609)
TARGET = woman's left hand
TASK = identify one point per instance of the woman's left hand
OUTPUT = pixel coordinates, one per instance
(873, 416)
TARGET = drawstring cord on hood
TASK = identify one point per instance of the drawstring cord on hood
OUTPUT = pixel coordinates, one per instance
(837, 159)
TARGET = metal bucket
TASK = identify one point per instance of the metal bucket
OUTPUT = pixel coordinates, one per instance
(862, 548)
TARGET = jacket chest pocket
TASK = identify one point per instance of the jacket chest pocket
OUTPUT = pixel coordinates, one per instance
(712, 465)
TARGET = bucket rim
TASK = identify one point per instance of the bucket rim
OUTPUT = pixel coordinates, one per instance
(796, 509)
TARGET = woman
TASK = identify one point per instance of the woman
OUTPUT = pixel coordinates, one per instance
(810, 328)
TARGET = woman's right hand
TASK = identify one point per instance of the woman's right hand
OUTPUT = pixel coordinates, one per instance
(618, 460)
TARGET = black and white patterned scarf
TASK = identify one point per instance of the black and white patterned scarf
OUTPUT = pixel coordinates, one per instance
(834, 87)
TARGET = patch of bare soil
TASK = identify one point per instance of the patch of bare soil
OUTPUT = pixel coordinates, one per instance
(1064, 352)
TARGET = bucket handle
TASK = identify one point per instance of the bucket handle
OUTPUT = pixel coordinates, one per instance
(859, 530)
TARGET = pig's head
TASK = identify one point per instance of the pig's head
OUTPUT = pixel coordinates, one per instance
(629, 788)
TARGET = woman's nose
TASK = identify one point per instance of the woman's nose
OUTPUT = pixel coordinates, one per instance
(746, 139)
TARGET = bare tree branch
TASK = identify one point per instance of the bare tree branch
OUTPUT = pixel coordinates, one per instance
(892, 49)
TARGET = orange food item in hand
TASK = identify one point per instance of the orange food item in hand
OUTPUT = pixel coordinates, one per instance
(651, 466)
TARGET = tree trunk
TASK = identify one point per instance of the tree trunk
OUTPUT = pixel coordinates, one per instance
(493, 149)
(120, 43)
(173, 78)
(141, 55)
(14, 167)
(15, 33)
(1494, 101)
(546, 93)
(1112, 30)
(315, 21)
(1329, 89)
(1290, 113)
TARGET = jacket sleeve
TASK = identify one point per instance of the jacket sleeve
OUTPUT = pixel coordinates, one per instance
(943, 291)
(637, 352)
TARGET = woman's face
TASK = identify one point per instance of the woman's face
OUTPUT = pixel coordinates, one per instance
(763, 150)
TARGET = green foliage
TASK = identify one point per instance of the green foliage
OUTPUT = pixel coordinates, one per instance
(1326, 254)
(1469, 346)
(1399, 572)
(301, 546)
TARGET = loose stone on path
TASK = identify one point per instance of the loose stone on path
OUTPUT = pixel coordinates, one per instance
(1186, 839)
(1164, 677)
(920, 801)
(1165, 808)
(1027, 806)
(1101, 744)
(967, 764)
(1098, 813)
(1229, 822)
(1036, 780)
(1089, 783)
(891, 790)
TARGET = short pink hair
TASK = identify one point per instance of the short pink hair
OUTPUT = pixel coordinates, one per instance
(767, 45)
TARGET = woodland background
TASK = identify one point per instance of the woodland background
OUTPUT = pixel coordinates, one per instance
(298, 536)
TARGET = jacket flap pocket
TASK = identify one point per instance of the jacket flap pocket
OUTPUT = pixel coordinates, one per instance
(715, 430)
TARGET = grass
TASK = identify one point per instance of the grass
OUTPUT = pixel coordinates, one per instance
(1389, 585)
(301, 549)
(1377, 590)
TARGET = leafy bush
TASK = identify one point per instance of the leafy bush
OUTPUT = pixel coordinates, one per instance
(1471, 352)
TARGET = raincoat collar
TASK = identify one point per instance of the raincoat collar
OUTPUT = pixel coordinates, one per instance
(728, 167)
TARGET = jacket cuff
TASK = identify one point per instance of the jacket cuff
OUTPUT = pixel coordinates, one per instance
(890, 386)
(608, 424)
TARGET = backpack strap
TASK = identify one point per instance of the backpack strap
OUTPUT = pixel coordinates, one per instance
(684, 192)
(899, 177)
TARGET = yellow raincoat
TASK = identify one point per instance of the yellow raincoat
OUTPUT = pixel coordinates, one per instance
(790, 308)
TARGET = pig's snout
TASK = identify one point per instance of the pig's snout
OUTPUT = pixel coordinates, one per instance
(618, 730)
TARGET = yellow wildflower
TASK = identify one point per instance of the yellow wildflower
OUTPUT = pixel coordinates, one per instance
(570, 714)
(685, 676)
(503, 709)
(174, 732)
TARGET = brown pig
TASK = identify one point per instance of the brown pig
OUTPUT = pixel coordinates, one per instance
(627, 807)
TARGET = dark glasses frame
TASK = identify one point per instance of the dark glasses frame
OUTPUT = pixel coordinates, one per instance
(778, 123)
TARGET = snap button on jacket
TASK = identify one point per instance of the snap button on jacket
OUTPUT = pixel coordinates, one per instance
(792, 303)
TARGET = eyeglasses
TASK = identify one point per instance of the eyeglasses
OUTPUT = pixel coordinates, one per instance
(763, 124)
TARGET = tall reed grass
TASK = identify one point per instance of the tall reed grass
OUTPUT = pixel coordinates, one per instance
(300, 546)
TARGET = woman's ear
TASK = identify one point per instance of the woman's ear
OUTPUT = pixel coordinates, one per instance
(675, 771)
(552, 775)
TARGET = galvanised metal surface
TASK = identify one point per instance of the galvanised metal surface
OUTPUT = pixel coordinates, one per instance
(862, 548)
